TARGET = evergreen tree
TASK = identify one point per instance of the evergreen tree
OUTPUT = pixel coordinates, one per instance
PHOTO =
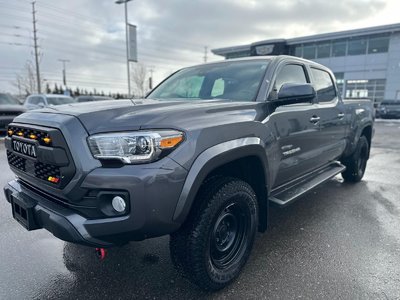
(48, 89)
(56, 91)
(77, 93)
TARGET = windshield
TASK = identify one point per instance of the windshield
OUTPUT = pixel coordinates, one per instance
(59, 100)
(8, 99)
(236, 81)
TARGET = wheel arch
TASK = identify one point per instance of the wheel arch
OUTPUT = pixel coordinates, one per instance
(367, 132)
(242, 158)
(355, 134)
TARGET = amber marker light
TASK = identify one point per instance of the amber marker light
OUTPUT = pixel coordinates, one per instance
(170, 142)
(53, 179)
(47, 140)
(20, 133)
(10, 132)
(33, 136)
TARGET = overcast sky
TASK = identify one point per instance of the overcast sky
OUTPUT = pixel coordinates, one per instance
(171, 33)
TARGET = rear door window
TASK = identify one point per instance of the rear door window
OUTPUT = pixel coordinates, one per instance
(323, 85)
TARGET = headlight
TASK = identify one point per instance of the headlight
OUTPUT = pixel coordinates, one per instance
(134, 147)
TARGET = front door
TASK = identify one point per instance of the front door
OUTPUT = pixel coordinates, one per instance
(293, 127)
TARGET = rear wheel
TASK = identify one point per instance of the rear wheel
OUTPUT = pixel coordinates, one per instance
(357, 162)
(214, 244)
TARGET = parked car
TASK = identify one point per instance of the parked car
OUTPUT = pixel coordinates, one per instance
(9, 109)
(389, 109)
(44, 100)
(92, 98)
(201, 158)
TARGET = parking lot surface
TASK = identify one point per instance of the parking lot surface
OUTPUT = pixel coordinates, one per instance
(340, 241)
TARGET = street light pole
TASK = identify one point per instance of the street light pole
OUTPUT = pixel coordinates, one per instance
(127, 42)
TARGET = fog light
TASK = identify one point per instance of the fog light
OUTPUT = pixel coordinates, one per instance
(118, 203)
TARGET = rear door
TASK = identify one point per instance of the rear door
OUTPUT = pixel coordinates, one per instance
(331, 114)
(292, 126)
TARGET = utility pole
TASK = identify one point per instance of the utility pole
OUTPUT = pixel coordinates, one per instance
(64, 71)
(205, 53)
(35, 45)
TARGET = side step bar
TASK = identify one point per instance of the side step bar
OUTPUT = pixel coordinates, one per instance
(288, 193)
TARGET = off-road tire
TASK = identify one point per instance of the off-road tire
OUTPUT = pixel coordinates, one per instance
(225, 213)
(357, 162)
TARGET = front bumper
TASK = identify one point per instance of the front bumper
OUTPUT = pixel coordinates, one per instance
(76, 212)
(34, 212)
(153, 194)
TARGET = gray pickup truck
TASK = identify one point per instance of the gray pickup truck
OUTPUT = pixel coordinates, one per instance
(201, 158)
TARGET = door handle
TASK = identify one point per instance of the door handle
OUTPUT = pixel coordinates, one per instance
(340, 115)
(315, 119)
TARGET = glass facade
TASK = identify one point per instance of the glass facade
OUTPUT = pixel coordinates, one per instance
(365, 45)
(363, 88)
(342, 47)
(357, 46)
(323, 50)
(378, 45)
(309, 51)
(339, 48)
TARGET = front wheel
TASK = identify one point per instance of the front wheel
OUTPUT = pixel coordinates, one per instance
(357, 162)
(215, 243)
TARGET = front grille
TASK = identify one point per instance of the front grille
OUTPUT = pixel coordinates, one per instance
(29, 133)
(16, 161)
(53, 166)
(37, 169)
(44, 171)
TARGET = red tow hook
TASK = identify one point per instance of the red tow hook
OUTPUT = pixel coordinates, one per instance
(101, 253)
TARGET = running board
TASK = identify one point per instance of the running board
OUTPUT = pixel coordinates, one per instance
(285, 195)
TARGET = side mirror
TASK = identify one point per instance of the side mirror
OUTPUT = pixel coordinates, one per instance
(292, 93)
(41, 104)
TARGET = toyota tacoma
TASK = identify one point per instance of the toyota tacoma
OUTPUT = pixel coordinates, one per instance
(200, 158)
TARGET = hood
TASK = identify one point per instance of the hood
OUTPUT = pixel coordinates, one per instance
(125, 115)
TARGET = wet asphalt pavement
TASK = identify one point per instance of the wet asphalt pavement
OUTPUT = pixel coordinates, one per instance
(340, 241)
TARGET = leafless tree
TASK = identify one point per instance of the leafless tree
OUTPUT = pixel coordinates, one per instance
(25, 81)
(139, 76)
